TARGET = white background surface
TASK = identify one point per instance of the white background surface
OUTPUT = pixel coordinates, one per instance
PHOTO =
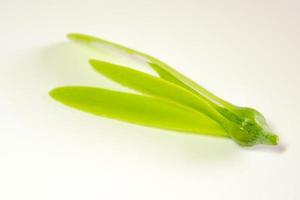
(244, 51)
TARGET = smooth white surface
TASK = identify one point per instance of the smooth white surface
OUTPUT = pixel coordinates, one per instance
(245, 51)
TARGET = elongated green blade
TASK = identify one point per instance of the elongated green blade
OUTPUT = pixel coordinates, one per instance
(152, 85)
(165, 71)
(137, 109)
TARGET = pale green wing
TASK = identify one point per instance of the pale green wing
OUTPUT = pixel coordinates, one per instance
(138, 109)
(165, 71)
(155, 86)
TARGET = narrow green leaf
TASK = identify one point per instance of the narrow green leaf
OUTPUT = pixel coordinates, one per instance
(164, 70)
(152, 85)
(143, 110)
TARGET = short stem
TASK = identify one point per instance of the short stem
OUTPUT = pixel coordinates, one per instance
(270, 138)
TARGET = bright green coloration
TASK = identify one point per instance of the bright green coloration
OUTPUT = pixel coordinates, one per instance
(154, 86)
(138, 109)
(244, 125)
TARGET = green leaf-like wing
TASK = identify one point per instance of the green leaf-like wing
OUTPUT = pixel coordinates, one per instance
(165, 71)
(155, 86)
(138, 109)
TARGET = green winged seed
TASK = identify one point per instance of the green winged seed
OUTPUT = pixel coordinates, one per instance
(160, 88)
(246, 126)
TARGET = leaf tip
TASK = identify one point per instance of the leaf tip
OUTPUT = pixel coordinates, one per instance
(55, 93)
(60, 93)
(72, 36)
(93, 61)
(98, 65)
(79, 37)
